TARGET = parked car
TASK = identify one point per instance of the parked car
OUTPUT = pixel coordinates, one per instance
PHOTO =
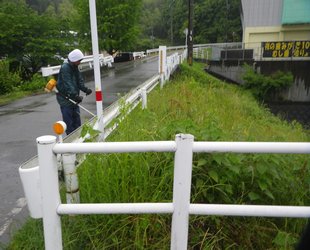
(123, 57)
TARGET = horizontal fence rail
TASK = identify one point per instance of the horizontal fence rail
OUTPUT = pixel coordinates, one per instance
(180, 207)
(194, 209)
(250, 210)
(116, 208)
(115, 147)
(198, 147)
(252, 147)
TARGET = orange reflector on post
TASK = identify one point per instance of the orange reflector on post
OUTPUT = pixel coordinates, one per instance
(59, 127)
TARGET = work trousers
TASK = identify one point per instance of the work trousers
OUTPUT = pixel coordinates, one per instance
(71, 116)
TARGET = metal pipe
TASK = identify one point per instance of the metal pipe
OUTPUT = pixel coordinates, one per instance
(198, 147)
(113, 147)
(74, 102)
(95, 47)
(250, 210)
(194, 209)
(116, 208)
(252, 147)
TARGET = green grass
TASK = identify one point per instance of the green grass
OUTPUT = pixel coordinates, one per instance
(16, 95)
(8, 98)
(196, 103)
(33, 87)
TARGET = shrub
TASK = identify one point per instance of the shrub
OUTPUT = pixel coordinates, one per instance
(8, 80)
(263, 86)
(37, 82)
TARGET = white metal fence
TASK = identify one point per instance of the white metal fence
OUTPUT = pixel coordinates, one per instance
(86, 64)
(183, 148)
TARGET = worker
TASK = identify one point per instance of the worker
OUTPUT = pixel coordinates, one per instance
(69, 84)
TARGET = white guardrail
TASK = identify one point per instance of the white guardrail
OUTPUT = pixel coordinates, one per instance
(86, 64)
(183, 148)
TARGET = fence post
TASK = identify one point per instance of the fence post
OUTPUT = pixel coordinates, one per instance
(181, 191)
(50, 192)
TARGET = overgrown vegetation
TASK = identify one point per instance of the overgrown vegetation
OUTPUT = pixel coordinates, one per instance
(8, 80)
(12, 87)
(36, 83)
(196, 103)
(263, 87)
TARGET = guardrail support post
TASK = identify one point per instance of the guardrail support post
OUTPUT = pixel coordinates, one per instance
(71, 178)
(162, 64)
(50, 192)
(181, 191)
(144, 98)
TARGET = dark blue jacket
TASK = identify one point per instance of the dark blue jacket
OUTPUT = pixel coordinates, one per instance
(69, 83)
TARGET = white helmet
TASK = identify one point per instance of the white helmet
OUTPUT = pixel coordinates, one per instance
(75, 55)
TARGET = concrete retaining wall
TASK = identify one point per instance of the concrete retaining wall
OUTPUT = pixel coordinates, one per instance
(232, 70)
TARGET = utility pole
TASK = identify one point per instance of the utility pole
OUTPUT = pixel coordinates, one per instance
(190, 32)
(171, 21)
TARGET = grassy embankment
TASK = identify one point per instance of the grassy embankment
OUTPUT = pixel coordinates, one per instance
(196, 103)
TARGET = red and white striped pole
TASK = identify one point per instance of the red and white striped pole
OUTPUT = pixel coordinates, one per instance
(94, 36)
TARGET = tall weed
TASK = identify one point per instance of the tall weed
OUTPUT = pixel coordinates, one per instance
(37, 83)
(211, 111)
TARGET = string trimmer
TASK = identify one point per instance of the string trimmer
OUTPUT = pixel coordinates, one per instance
(51, 86)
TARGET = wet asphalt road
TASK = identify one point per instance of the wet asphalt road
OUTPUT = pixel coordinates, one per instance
(23, 121)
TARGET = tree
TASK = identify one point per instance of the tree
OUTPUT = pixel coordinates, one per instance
(217, 21)
(214, 20)
(117, 22)
(28, 39)
(41, 5)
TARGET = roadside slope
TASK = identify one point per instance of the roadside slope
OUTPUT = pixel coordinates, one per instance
(196, 103)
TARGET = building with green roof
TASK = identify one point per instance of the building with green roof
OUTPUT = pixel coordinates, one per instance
(296, 12)
(269, 23)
